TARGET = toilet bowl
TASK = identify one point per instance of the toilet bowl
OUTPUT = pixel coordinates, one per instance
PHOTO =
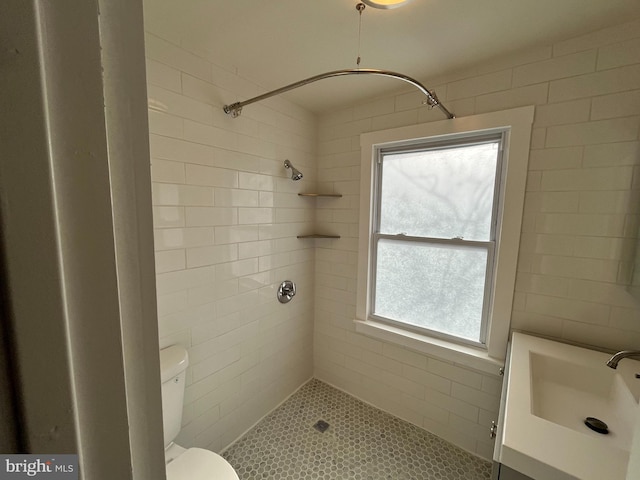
(184, 463)
(196, 464)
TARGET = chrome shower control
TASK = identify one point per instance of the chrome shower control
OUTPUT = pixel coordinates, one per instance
(286, 291)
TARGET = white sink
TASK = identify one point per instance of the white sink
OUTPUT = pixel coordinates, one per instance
(567, 393)
(551, 389)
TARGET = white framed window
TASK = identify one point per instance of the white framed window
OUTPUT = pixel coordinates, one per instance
(440, 218)
(433, 236)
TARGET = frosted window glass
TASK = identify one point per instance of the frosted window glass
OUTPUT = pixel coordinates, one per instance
(442, 193)
(439, 287)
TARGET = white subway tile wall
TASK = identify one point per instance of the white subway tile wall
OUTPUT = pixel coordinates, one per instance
(578, 235)
(226, 217)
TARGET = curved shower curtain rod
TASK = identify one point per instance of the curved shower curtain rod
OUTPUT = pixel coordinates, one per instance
(236, 108)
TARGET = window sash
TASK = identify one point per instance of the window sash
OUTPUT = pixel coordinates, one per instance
(489, 246)
(460, 242)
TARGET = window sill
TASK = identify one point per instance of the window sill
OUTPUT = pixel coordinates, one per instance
(462, 355)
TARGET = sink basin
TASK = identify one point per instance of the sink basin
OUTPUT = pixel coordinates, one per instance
(551, 389)
(567, 393)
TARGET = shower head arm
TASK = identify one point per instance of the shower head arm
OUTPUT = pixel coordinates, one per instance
(432, 100)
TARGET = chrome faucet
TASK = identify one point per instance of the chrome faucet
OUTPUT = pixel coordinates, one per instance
(613, 361)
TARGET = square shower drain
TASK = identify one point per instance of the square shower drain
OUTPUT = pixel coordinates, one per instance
(321, 426)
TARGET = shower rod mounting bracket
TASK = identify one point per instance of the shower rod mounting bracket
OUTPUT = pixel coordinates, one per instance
(235, 109)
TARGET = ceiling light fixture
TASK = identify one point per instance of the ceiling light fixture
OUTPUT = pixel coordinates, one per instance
(386, 4)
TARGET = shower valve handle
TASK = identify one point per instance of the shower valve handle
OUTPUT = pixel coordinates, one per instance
(289, 289)
(286, 291)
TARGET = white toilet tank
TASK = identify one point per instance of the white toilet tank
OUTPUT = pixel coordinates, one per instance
(190, 463)
(173, 365)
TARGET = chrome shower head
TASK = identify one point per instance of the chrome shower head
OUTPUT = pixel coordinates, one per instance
(295, 173)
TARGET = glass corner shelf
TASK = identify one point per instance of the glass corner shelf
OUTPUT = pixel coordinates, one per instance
(336, 195)
(316, 235)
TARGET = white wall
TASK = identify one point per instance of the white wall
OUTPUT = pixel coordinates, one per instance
(226, 217)
(577, 241)
(125, 106)
(61, 145)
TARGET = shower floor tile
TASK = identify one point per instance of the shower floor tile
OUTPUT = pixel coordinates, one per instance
(360, 443)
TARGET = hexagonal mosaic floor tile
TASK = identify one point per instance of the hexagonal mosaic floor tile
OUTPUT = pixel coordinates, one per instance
(360, 443)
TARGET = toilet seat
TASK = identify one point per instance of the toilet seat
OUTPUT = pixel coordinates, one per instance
(200, 464)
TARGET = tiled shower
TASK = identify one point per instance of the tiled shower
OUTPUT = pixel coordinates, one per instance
(226, 217)
(351, 440)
